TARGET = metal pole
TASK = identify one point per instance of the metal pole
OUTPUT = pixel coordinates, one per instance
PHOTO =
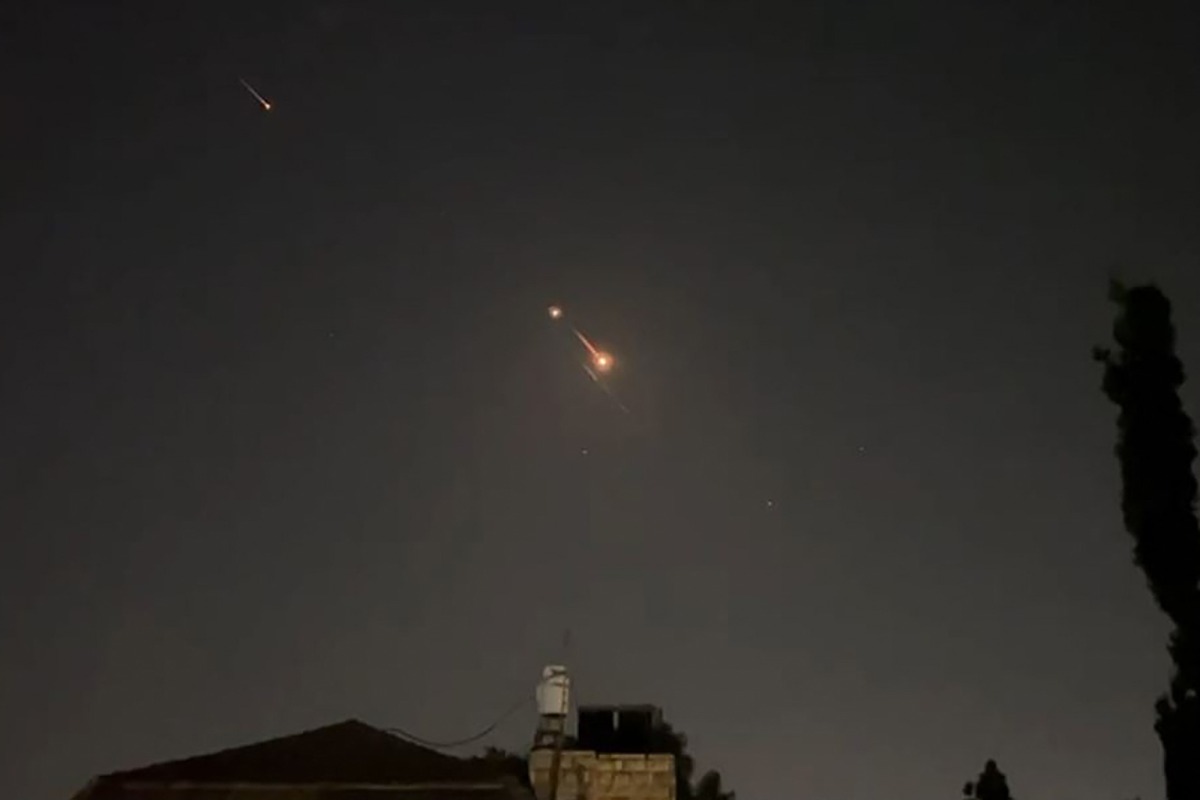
(556, 760)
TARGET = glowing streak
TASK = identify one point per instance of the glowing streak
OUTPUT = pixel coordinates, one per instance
(607, 390)
(601, 360)
(262, 101)
(591, 348)
(598, 363)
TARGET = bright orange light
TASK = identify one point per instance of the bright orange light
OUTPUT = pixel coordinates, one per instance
(555, 312)
(262, 101)
(603, 362)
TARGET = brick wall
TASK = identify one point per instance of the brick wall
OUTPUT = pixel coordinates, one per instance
(585, 775)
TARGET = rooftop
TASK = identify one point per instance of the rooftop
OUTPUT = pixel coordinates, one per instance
(348, 760)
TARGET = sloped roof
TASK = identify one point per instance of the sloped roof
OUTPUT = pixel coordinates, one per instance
(348, 760)
(271, 791)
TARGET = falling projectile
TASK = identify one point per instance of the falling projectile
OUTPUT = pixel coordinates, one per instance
(262, 101)
(599, 362)
(602, 361)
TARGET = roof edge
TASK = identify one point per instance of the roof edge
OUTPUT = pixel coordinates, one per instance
(245, 785)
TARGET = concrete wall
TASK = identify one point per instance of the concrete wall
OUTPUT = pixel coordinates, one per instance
(586, 775)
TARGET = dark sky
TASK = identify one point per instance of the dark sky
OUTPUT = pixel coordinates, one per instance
(288, 437)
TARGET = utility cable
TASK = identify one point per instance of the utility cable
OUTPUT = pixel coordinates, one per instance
(514, 708)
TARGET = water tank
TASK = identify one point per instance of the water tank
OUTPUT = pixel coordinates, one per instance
(553, 693)
(620, 729)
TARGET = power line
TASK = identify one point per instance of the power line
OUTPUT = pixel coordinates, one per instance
(514, 708)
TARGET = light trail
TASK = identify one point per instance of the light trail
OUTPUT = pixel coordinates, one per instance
(262, 101)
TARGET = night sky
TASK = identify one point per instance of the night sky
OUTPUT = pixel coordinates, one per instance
(288, 436)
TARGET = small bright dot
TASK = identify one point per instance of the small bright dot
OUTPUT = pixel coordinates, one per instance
(555, 312)
(770, 504)
(603, 362)
(583, 452)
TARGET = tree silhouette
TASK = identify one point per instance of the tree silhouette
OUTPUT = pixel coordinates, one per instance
(666, 739)
(1156, 448)
(709, 788)
(507, 763)
(991, 784)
